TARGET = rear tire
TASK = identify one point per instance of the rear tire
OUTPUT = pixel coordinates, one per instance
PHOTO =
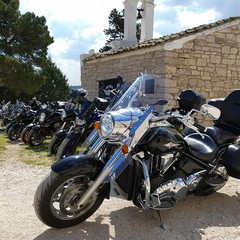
(56, 197)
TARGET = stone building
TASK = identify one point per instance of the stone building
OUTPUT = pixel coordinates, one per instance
(204, 58)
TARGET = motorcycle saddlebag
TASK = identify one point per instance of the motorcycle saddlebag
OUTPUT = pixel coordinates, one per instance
(101, 103)
(231, 160)
(190, 99)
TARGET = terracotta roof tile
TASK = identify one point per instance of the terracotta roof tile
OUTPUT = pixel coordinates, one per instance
(164, 39)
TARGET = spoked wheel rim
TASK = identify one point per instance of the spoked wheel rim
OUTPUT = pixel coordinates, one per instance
(15, 134)
(37, 138)
(25, 135)
(63, 203)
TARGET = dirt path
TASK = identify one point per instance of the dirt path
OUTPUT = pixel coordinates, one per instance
(213, 217)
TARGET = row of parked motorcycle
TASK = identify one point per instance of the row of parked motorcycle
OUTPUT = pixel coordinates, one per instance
(66, 123)
(151, 153)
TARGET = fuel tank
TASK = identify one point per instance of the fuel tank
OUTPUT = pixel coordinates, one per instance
(163, 140)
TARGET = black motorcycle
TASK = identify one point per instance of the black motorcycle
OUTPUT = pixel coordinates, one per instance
(24, 117)
(89, 113)
(49, 122)
(11, 118)
(144, 158)
(68, 116)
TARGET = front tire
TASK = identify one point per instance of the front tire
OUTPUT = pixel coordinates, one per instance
(54, 144)
(56, 197)
(36, 137)
(14, 133)
(24, 134)
(67, 148)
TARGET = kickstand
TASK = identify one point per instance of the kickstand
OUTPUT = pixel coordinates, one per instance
(161, 222)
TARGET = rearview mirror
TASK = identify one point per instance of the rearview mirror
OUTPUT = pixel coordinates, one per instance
(210, 111)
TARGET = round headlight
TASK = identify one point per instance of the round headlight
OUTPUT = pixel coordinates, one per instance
(42, 117)
(106, 125)
(63, 114)
(80, 122)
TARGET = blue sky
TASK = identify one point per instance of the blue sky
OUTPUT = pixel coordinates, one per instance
(77, 25)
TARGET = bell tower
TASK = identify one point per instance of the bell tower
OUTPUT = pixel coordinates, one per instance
(130, 22)
(147, 20)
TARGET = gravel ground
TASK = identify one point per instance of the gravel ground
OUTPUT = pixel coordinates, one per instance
(213, 217)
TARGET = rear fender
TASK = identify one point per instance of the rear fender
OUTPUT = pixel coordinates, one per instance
(31, 125)
(15, 125)
(81, 164)
(36, 127)
(72, 134)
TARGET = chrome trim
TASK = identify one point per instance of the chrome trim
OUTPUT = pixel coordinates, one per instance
(134, 136)
(100, 179)
(146, 202)
(96, 147)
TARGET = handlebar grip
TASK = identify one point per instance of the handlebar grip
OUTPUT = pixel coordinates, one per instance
(199, 126)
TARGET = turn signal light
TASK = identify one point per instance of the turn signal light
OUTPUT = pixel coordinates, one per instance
(124, 149)
(96, 125)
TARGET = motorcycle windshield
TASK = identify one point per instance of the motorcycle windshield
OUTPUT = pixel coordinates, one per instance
(145, 90)
(148, 89)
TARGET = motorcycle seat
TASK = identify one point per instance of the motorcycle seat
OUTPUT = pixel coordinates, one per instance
(220, 136)
(202, 148)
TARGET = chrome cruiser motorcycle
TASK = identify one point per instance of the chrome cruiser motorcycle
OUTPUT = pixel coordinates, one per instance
(142, 156)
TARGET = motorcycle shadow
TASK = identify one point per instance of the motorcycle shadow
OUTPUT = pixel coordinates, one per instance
(193, 218)
(41, 148)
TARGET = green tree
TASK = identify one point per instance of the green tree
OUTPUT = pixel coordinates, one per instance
(116, 29)
(24, 39)
(55, 87)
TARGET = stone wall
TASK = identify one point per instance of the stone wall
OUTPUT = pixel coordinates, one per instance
(208, 62)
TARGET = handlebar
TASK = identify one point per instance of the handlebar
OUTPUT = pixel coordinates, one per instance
(189, 122)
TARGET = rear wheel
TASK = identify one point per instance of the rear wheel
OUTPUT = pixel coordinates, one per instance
(56, 198)
(54, 144)
(36, 137)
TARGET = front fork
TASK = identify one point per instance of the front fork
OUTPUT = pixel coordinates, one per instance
(118, 155)
(109, 171)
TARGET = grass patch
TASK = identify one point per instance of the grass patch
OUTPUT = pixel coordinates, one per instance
(38, 155)
(3, 142)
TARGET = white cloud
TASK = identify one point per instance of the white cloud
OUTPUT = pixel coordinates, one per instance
(70, 68)
(77, 25)
(60, 46)
(84, 22)
(188, 18)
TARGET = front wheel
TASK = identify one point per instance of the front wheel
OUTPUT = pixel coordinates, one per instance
(24, 134)
(54, 144)
(67, 148)
(14, 133)
(36, 137)
(56, 198)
